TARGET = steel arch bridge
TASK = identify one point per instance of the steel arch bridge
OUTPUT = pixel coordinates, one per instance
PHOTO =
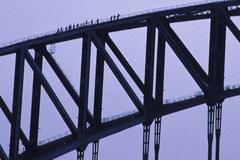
(91, 127)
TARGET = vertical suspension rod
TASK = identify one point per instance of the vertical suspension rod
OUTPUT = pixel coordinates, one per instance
(211, 109)
(218, 125)
(146, 137)
(95, 150)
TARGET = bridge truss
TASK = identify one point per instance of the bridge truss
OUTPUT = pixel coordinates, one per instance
(91, 128)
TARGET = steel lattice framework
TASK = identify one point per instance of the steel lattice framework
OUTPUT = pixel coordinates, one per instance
(90, 127)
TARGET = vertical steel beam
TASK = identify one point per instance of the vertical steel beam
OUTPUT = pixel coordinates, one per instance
(149, 67)
(210, 130)
(97, 112)
(157, 136)
(216, 68)
(84, 83)
(146, 137)
(159, 89)
(17, 105)
(217, 55)
(218, 125)
(95, 150)
(36, 94)
(80, 154)
(148, 88)
(84, 88)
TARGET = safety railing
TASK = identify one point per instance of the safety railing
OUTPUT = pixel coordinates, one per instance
(124, 114)
(97, 21)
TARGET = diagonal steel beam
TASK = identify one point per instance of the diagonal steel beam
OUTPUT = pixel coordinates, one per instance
(9, 116)
(125, 63)
(184, 55)
(51, 94)
(3, 155)
(233, 28)
(117, 72)
(62, 77)
(17, 105)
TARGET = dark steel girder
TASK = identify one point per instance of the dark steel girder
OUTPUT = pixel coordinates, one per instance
(84, 82)
(61, 146)
(118, 25)
(17, 105)
(98, 97)
(35, 110)
(9, 116)
(66, 83)
(161, 47)
(98, 92)
(149, 67)
(117, 72)
(216, 56)
(51, 94)
(184, 56)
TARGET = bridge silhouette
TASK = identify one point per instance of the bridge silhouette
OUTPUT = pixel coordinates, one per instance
(92, 127)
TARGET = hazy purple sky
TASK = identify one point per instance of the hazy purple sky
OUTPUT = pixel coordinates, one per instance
(184, 134)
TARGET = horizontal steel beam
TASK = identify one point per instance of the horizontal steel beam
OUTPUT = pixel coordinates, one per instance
(69, 143)
(118, 25)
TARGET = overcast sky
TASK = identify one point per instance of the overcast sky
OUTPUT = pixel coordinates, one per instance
(184, 134)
